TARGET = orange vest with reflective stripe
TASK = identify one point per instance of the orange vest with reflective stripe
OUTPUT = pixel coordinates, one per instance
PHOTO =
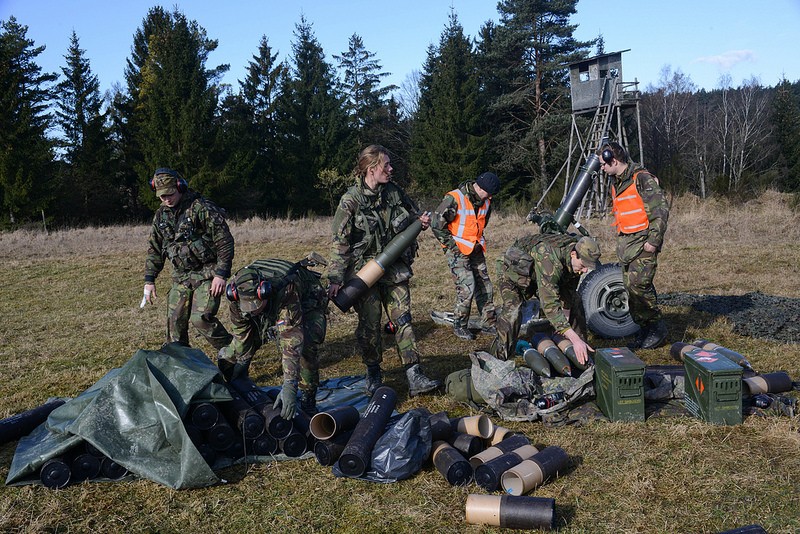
(467, 226)
(629, 213)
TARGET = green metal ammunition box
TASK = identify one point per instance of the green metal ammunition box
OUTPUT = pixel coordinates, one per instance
(713, 388)
(619, 384)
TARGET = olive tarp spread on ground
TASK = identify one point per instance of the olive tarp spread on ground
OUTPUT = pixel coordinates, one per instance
(134, 416)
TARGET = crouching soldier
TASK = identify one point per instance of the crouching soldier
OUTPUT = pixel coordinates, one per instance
(278, 299)
(547, 266)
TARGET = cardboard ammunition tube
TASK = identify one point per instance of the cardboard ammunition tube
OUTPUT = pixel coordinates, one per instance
(205, 415)
(513, 442)
(475, 425)
(328, 451)
(55, 473)
(466, 444)
(85, 466)
(500, 433)
(507, 511)
(295, 444)
(355, 458)
(678, 349)
(451, 464)
(487, 475)
(207, 452)
(440, 426)
(112, 469)
(536, 470)
(221, 436)
(777, 382)
(16, 426)
(264, 445)
(327, 424)
(277, 426)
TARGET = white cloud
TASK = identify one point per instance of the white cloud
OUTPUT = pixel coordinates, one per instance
(726, 60)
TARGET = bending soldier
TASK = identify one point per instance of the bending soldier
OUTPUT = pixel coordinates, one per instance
(192, 233)
(458, 224)
(369, 215)
(278, 299)
(548, 266)
(641, 212)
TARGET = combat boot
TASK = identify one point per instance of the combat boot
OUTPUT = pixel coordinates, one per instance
(374, 379)
(640, 337)
(656, 335)
(308, 401)
(418, 383)
(462, 332)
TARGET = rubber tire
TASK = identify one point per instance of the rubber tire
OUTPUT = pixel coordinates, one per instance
(605, 302)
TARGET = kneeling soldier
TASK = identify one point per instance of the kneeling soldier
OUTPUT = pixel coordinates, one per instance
(278, 299)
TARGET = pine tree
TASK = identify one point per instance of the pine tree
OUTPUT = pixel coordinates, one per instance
(786, 113)
(448, 143)
(88, 192)
(25, 151)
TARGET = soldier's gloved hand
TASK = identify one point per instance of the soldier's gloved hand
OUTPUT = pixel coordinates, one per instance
(287, 399)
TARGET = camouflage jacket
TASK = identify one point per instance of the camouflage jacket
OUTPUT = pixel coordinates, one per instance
(194, 237)
(629, 246)
(364, 222)
(447, 211)
(540, 265)
(294, 289)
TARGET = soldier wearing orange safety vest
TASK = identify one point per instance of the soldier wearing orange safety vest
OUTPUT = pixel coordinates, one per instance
(458, 224)
(641, 212)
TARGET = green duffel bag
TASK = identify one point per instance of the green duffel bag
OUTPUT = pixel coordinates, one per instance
(459, 385)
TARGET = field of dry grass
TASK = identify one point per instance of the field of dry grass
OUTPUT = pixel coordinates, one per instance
(71, 313)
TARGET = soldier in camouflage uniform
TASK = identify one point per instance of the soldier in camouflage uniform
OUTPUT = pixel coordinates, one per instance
(369, 215)
(640, 212)
(458, 224)
(548, 266)
(192, 234)
(282, 300)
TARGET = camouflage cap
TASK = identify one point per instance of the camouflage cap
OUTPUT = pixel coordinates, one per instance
(588, 252)
(165, 182)
(247, 283)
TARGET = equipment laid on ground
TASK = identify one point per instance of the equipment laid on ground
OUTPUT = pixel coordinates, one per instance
(619, 384)
(713, 387)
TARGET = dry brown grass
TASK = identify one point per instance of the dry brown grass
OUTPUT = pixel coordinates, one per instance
(71, 313)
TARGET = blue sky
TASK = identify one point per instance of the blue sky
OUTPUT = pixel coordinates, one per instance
(702, 38)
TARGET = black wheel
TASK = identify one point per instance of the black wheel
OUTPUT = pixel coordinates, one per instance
(605, 302)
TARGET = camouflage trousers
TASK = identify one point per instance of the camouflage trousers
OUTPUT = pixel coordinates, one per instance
(396, 298)
(472, 282)
(191, 301)
(637, 278)
(509, 319)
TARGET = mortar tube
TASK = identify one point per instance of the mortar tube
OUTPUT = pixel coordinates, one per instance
(568, 349)
(355, 458)
(777, 382)
(368, 275)
(552, 354)
(451, 464)
(487, 475)
(534, 471)
(565, 214)
(329, 450)
(327, 424)
(536, 362)
(732, 355)
(475, 425)
(514, 442)
(508, 511)
(466, 444)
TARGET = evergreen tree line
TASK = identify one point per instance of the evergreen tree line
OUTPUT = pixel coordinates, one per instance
(284, 141)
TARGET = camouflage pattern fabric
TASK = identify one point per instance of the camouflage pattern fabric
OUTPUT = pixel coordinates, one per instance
(639, 267)
(364, 222)
(295, 318)
(196, 239)
(535, 265)
(396, 298)
(191, 301)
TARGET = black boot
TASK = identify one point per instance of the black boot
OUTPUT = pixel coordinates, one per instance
(462, 332)
(418, 383)
(308, 401)
(656, 335)
(374, 379)
(640, 337)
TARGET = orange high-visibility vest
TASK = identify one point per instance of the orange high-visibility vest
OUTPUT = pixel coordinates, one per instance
(629, 213)
(467, 226)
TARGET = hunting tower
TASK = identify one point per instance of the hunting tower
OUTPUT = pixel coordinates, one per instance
(600, 94)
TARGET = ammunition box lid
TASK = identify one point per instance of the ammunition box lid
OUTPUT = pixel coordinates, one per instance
(711, 361)
(620, 358)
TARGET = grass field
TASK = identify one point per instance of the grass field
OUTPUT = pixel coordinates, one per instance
(70, 305)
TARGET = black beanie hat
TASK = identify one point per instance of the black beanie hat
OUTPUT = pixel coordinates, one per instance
(489, 182)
